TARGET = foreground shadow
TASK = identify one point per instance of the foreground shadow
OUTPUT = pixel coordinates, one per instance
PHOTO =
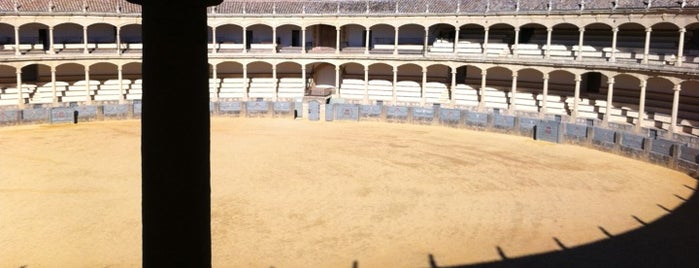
(671, 241)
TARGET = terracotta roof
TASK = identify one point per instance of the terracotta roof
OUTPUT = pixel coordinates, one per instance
(348, 6)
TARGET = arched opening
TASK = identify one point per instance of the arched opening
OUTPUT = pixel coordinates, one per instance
(290, 38)
(664, 42)
(688, 110)
(498, 84)
(437, 84)
(292, 81)
(10, 95)
(500, 37)
(229, 38)
(625, 99)
(470, 39)
(131, 72)
(351, 37)
(532, 38)
(259, 38)
(7, 37)
(106, 77)
(561, 93)
(441, 38)
(597, 41)
(468, 82)
(380, 84)
(130, 38)
(233, 85)
(77, 89)
(659, 97)
(352, 84)
(411, 39)
(322, 38)
(262, 83)
(381, 39)
(34, 37)
(563, 37)
(68, 37)
(631, 40)
(691, 46)
(409, 84)
(102, 37)
(530, 86)
(322, 75)
(593, 93)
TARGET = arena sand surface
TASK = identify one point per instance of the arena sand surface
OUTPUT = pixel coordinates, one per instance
(316, 194)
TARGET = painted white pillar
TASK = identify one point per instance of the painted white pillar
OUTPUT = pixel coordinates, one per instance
(51, 50)
(675, 107)
(245, 82)
(453, 86)
(646, 48)
(580, 44)
(642, 105)
(245, 42)
(120, 74)
(85, 50)
(515, 53)
(485, 42)
(395, 81)
(513, 92)
(274, 40)
(576, 100)
(366, 84)
(337, 39)
(276, 83)
(680, 48)
(423, 86)
(118, 40)
(303, 40)
(456, 41)
(545, 93)
(610, 96)
(395, 41)
(366, 43)
(214, 76)
(337, 81)
(20, 90)
(615, 33)
(87, 85)
(549, 32)
(54, 98)
(17, 41)
(213, 40)
(481, 91)
(426, 40)
(303, 77)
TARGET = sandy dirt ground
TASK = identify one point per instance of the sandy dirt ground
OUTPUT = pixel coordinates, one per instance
(316, 194)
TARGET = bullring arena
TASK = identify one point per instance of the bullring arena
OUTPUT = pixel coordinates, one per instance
(363, 133)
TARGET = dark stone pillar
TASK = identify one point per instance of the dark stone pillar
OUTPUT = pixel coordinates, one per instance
(175, 143)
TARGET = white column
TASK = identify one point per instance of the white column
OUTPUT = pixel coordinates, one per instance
(481, 91)
(513, 92)
(424, 85)
(120, 74)
(610, 96)
(53, 85)
(276, 83)
(675, 107)
(576, 100)
(20, 91)
(485, 42)
(426, 40)
(366, 84)
(549, 31)
(245, 82)
(274, 39)
(366, 44)
(118, 40)
(456, 41)
(303, 77)
(680, 48)
(337, 39)
(337, 81)
(453, 85)
(545, 93)
(88, 97)
(51, 50)
(516, 45)
(213, 40)
(17, 41)
(395, 81)
(303, 40)
(646, 48)
(395, 41)
(214, 76)
(580, 44)
(245, 42)
(642, 105)
(85, 50)
(615, 32)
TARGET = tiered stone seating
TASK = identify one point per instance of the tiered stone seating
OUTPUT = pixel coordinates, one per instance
(81, 91)
(497, 50)
(110, 91)
(233, 88)
(436, 92)
(10, 95)
(529, 51)
(380, 90)
(468, 47)
(352, 89)
(555, 103)
(291, 87)
(408, 92)
(214, 85)
(442, 46)
(44, 93)
(465, 95)
(263, 87)
(495, 98)
(524, 101)
(136, 90)
(586, 107)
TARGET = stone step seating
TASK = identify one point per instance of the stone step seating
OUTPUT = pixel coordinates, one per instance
(81, 90)
(214, 85)
(291, 87)
(352, 88)
(112, 90)
(263, 87)
(528, 51)
(497, 50)
(380, 89)
(233, 88)
(495, 98)
(555, 102)
(465, 95)
(442, 46)
(524, 101)
(44, 92)
(436, 92)
(468, 47)
(135, 92)
(10, 95)
(586, 107)
(408, 92)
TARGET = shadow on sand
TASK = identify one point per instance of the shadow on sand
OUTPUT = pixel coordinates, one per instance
(671, 241)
